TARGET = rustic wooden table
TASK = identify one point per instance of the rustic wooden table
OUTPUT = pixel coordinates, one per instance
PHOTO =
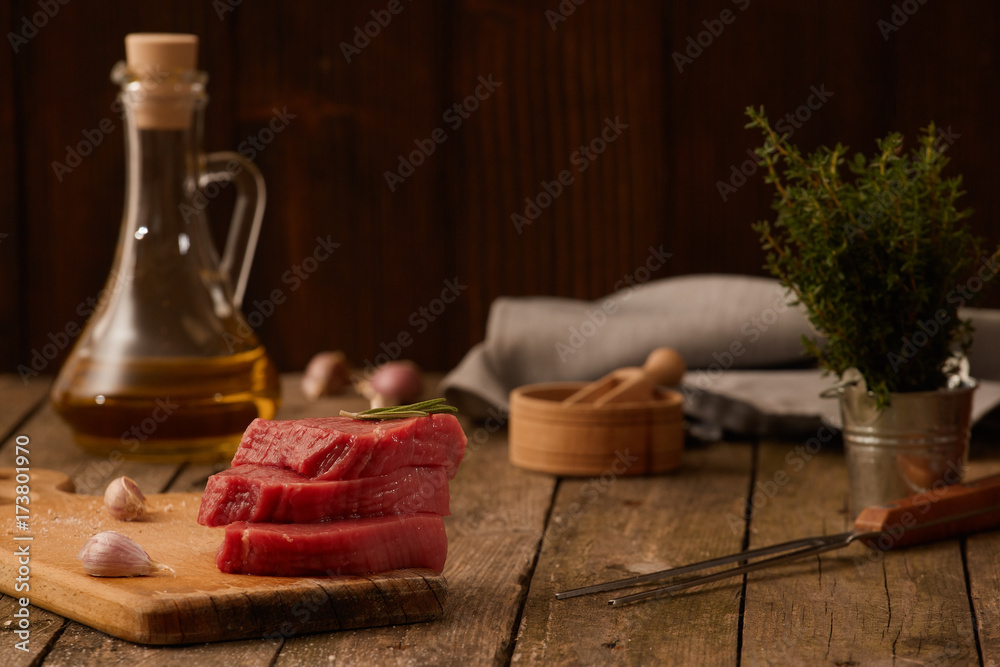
(518, 537)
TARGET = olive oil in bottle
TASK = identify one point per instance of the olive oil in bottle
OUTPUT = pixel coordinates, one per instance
(167, 368)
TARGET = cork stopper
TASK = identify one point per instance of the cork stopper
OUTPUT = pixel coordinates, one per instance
(156, 58)
(169, 51)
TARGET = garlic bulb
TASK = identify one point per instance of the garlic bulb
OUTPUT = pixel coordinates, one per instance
(111, 554)
(392, 383)
(124, 500)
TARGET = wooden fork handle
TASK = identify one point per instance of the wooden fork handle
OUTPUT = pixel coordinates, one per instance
(936, 514)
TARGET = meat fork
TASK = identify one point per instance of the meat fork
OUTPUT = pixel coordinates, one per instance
(936, 514)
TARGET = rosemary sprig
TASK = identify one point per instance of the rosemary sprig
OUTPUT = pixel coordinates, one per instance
(421, 409)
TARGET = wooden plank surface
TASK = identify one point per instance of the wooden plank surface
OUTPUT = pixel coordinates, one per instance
(982, 560)
(935, 604)
(850, 606)
(79, 645)
(984, 588)
(20, 398)
(611, 528)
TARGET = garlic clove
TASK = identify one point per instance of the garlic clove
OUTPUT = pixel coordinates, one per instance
(327, 373)
(124, 500)
(111, 554)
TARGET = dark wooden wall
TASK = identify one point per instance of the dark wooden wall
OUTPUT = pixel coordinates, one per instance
(654, 185)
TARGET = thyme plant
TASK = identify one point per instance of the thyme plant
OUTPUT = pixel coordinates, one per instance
(881, 260)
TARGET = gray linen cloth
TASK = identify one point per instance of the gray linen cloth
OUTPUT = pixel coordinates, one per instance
(722, 325)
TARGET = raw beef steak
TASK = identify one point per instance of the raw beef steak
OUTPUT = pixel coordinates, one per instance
(353, 546)
(277, 495)
(345, 448)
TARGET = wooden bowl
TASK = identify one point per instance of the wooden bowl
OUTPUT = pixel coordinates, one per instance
(635, 438)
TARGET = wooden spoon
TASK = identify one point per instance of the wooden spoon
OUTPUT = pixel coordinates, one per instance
(663, 366)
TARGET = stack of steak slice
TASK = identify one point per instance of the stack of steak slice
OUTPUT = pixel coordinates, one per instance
(336, 495)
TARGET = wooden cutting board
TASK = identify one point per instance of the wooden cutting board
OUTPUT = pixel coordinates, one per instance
(200, 603)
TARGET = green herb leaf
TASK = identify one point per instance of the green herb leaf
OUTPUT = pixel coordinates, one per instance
(878, 251)
(422, 409)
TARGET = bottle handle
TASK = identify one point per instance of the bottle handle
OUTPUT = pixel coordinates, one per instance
(248, 212)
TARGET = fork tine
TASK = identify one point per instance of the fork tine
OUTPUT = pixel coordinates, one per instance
(828, 544)
(702, 565)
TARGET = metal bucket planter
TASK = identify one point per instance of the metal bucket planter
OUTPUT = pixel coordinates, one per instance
(920, 441)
